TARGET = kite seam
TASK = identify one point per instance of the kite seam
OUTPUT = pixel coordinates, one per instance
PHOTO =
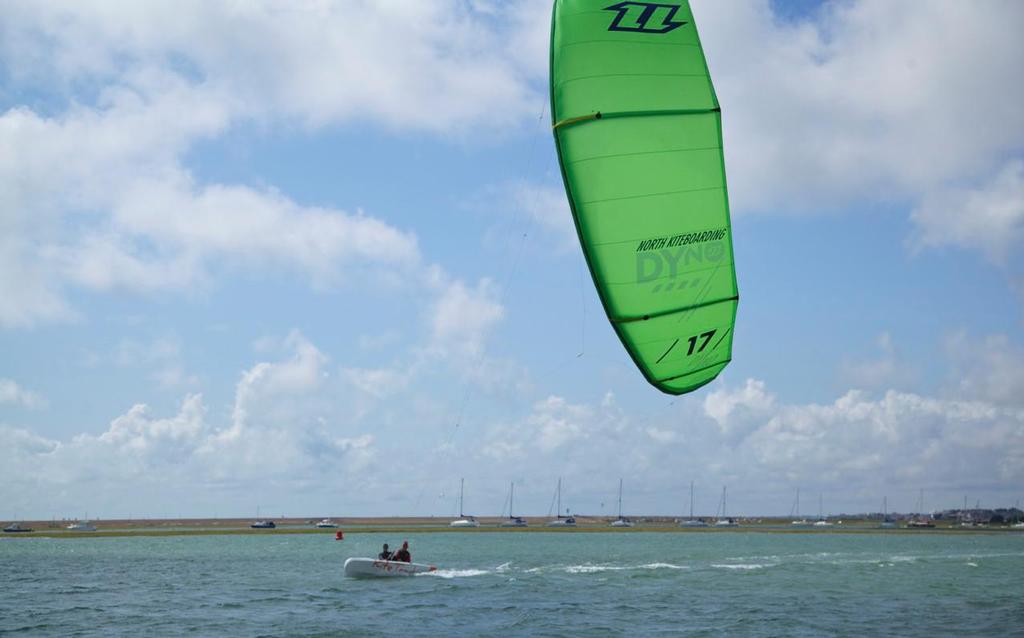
(697, 371)
(664, 313)
(599, 115)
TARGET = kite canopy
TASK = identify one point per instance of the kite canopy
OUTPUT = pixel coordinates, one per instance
(639, 137)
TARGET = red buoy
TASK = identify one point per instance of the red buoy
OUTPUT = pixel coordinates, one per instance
(339, 535)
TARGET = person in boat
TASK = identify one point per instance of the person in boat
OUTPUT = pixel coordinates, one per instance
(403, 554)
(386, 554)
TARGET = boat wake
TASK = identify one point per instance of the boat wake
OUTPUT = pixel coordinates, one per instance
(456, 573)
(590, 568)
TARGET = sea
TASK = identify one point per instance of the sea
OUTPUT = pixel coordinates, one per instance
(532, 583)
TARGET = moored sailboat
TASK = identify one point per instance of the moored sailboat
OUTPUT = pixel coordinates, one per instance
(560, 521)
(513, 521)
(799, 522)
(725, 521)
(463, 520)
(621, 522)
(693, 522)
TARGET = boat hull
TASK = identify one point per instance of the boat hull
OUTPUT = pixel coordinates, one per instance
(372, 568)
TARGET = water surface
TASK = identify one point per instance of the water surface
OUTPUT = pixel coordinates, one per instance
(519, 584)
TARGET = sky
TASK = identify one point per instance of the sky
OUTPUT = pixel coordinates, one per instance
(316, 258)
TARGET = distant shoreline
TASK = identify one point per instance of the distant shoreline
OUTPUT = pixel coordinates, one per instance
(427, 524)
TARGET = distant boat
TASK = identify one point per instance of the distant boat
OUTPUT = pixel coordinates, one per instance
(326, 523)
(920, 521)
(822, 521)
(463, 520)
(513, 521)
(567, 521)
(259, 523)
(81, 526)
(621, 522)
(15, 528)
(725, 521)
(800, 522)
(693, 522)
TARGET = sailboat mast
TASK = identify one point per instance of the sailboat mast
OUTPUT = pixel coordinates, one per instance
(462, 485)
(511, 496)
(723, 502)
(620, 498)
(558, 512)
(691, 500)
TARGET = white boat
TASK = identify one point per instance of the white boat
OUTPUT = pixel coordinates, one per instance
(725, 521)
(82, 526)
(822, 521)
(463, 520)
(559, 521)
(692, 522)
(800, 522)
(373, 568)
(621, 522)
(513, 521)
(326, 523)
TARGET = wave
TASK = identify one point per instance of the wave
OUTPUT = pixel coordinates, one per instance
(590, 568)
(744, 566)
(663, 566)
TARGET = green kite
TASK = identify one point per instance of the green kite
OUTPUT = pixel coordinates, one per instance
(639, 136)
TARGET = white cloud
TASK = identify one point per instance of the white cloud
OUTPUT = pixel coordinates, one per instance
(737, 412)
(886, 370)
(462, 317)
(989, 218)
(95, 195)
(12, 392)
(989, 368)
(900, 438)
(277, 433)
(162, 356)
(875, 102)
(262, 395)
(96, 199)
(283, 438)
(548, 208)
(424, 65)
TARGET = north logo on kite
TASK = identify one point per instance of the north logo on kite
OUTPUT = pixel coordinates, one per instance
(644, 17)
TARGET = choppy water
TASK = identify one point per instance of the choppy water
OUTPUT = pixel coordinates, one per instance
(519, 584)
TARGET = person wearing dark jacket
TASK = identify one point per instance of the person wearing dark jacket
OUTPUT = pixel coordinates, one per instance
(403, 554)
(386, 554)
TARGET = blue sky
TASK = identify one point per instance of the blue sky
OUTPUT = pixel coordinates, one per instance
(256, 257)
